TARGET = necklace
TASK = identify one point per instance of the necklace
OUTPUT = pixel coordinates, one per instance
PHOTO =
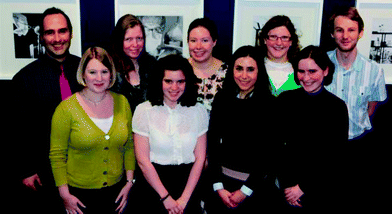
(95, 103)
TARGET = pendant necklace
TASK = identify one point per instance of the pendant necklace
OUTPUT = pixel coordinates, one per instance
(95, 103)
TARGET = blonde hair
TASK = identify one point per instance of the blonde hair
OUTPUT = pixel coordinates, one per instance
(101, 55)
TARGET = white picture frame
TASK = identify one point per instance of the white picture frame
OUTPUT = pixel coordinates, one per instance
(189, 10)
(306, 16)
(374, 14)
(9, 64)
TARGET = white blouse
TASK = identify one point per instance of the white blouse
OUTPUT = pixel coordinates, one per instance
(172, 133)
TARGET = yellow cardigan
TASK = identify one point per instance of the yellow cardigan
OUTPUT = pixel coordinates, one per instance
(82, 155)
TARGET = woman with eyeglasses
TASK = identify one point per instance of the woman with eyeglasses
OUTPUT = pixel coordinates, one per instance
(279, 43)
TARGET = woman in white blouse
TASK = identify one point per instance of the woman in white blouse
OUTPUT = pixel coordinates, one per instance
(170, 140)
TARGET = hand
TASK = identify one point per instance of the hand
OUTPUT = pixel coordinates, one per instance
(124, 197)
(225, 196)
(237, 197)
(182, 202)
(30, 182)
(293, 195)
(171, 205)
(71, 204)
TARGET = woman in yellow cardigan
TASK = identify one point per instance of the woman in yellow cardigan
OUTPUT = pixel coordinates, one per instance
(91, 141)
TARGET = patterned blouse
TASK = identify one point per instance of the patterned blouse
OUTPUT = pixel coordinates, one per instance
(208, 87)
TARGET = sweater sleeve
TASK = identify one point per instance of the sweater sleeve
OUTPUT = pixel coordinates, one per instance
(129, 156)
(60, 133)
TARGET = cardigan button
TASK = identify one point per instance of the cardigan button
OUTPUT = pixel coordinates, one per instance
(105, 172)
(106, 148)
(107, 137)
(105, 183)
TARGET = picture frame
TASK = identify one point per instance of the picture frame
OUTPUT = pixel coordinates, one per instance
(183, 10)
(376, 42)
(11, 9)
(251, 15)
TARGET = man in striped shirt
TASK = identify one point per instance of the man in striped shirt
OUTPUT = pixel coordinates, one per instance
(360, 83)
(357, 80)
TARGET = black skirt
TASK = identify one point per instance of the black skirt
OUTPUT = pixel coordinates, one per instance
(144, 199)
(99, 200)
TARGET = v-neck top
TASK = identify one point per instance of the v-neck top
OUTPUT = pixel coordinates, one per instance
(84, 156)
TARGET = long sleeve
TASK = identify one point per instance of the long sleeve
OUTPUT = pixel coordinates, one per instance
(129, 156)
(61, 128)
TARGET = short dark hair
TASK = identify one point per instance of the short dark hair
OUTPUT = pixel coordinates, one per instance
(262, 85)
(320, 57)
(349, 12)
(172, 63)
(207, 24)
(52, 11)
(279, 21)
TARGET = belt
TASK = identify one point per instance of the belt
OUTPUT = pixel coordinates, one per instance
(242, 176)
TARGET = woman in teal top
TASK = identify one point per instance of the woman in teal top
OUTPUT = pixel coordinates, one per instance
(91, 141)
(279, 43)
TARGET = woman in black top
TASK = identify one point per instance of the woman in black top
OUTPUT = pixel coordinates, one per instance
(133, 63)
(241, 153)
(314, 128)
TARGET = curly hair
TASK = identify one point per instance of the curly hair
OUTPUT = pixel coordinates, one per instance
(173, 63)
(278, 21)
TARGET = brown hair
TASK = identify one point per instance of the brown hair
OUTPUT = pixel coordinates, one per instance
(101, 55)
(349, 12)
(123, 63)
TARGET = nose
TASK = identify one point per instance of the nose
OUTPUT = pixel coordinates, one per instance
(345, 34)
(198, 45)
(174, 86)
(306, 76)
(57, 37)
(244, 75)
(99, 76)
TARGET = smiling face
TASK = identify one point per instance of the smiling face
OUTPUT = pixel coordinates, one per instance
(245, 74)
(133, 43)
(277, 49)
(56, 36)
(97, 76)
(346, 33)
(173, 86)
(200, 44)
(310, 75)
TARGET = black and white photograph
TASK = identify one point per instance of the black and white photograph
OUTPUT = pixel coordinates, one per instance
(381, 41)
(26, 35)
(163, 35)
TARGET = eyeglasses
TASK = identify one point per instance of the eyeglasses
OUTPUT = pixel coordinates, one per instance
(275, 38)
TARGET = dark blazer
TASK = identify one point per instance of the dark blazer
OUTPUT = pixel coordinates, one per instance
(36, 94)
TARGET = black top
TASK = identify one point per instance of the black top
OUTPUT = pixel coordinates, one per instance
(314, 129)
(36, 94)
(135, 94)
(239, 137)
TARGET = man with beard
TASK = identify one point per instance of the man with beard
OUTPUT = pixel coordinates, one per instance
(38, 89)
(361, 84)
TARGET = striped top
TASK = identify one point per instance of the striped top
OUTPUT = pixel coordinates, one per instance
(362, 83)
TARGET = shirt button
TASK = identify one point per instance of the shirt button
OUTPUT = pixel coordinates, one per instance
(107, 137)
(105, 161)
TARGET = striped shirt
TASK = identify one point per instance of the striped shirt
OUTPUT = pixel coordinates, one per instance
(362, 83)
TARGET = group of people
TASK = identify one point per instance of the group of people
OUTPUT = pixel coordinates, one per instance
(276, 128)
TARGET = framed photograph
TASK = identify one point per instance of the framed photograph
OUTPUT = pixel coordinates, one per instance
(251, 15)
(166, 22)
(19, 31)
(377, 38)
